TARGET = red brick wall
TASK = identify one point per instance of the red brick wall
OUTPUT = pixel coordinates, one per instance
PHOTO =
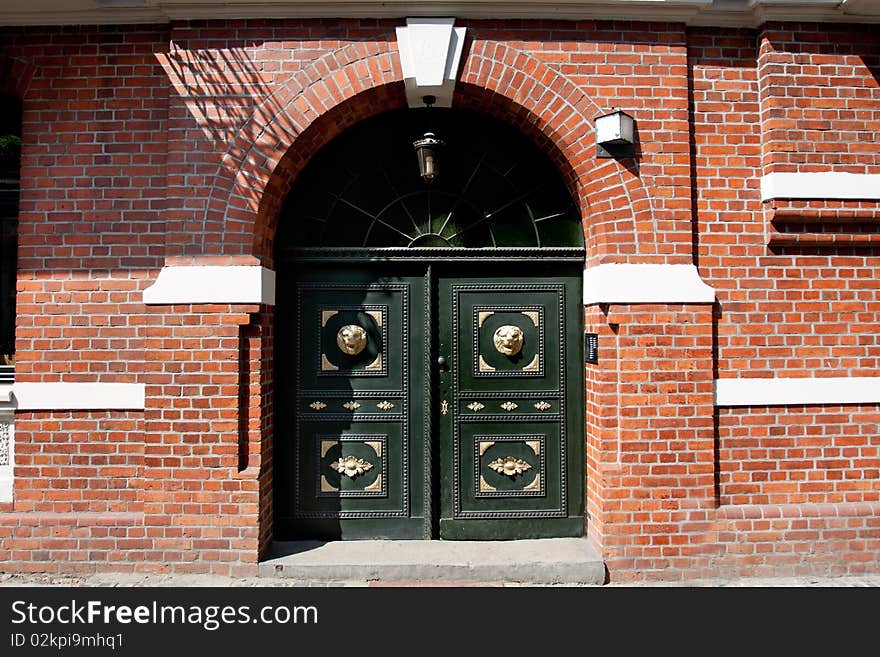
(79, 462)
(601, 421)
(150, 145)
(226, 80)
(652, 494)
(820, 111)
(820, 97)
(796, 283)
(808, 303)
(256, 429)
(793, 540)
(77, 325)
(92, 176)
(201, 506)
(75, 542)
(799, 454)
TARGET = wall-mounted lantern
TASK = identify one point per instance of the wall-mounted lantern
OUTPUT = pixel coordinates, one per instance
(615, 135)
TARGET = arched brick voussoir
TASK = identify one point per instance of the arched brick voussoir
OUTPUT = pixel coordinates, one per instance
(260, 163)
(613, 201)
(321, 131)
(16, 74)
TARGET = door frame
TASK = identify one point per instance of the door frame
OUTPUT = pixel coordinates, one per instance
(503, 257)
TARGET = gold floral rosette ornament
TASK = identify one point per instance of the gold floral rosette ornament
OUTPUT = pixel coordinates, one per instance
(351, 466)
(510, 466)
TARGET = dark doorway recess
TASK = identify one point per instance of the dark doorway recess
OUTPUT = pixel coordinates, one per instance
(429, 338)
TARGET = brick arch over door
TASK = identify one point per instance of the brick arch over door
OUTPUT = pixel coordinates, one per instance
(363, 79)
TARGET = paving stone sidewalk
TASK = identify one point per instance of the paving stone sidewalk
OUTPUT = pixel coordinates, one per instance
(130, 580)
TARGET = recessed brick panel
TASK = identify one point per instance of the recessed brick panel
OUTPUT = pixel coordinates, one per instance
(799, 454)
(820, 97)
(79, 462)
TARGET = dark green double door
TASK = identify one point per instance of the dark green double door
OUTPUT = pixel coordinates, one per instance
(421, 401)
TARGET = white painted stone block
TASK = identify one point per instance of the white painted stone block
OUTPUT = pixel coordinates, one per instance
(430, 53)
(829, 185)
(79, 396)
(645, 283)
(212, 284)
(785, 391)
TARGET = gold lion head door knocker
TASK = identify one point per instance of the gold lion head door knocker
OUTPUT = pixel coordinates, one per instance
(508, 340)
(351, 339)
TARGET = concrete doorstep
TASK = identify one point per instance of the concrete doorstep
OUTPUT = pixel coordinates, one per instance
(536, 561)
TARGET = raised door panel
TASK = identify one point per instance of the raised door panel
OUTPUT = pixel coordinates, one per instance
(356, 449)
(513, 434)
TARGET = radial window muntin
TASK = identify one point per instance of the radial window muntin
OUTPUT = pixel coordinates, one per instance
(495, 189)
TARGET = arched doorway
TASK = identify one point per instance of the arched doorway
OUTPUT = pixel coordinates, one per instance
(429, 338)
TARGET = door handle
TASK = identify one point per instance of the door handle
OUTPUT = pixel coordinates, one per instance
(443, 364)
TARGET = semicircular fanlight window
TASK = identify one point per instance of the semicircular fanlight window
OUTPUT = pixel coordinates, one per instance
(494, 189)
